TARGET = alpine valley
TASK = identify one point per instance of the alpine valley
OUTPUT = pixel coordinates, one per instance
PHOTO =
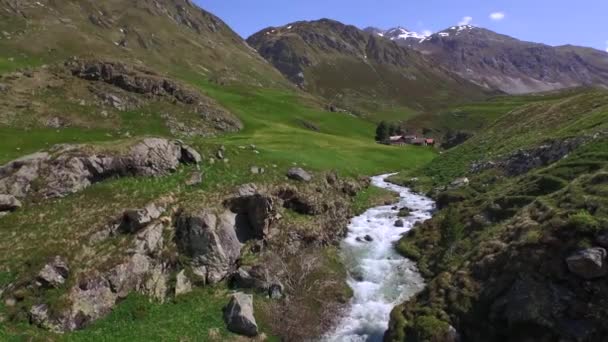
(164, 179)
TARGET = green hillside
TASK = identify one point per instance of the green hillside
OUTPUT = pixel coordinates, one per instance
(509, 229)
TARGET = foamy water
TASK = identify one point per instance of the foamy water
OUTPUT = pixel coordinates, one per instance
(379, 276)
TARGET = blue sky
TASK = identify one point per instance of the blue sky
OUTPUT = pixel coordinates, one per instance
(554, 22)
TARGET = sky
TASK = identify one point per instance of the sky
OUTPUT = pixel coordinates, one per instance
(553, 22)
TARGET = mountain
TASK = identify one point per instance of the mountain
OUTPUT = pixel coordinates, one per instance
(399, 34)
(358, 70)
(497, 61)
(172, 36)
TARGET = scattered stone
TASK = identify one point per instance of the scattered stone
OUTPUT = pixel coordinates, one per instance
(3, 88)
(299, 174)
(182, 284)
(252, 146)
(54, 274)
(238, 315)
(195, 178)
(10, 302)
(220, 154)
(368, 238)
(589, 263)
(9, 203)
(400, 223)
(211, 161)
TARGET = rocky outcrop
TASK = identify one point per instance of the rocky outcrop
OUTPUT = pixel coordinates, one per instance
(9, 203)
(256, 212)
(589, 263)
(238, 315)
(68, 169)
(299, 174)
(257, 278)
(211, 241)
(54, 274)
(134, 80)
(525, 160)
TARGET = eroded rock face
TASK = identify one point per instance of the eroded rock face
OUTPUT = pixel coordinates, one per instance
(238, 315)
(70, 168)
(589, 263)
(256, 212)
(211, 241)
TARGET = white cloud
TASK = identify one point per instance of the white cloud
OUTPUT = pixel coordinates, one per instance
(607, 46)
(465, 21)
(497, 16)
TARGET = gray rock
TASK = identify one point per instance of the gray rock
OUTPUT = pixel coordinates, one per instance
(602, 239)
(210, 241)
(220, 154)
(275, 291)
(195, 178)
(246, 190)
(74, 167)
(238, 315)
(150, 240)
(135, 219)
(129, 276)
(399, 223)
(90, 300)
(368, 238)
(299, 174)
(589, 263)
(155, 283)
(182, 284)
(9, 203)
(39, 315)
(262, 214)
(190, 155)
(54, 274)
(3, 87)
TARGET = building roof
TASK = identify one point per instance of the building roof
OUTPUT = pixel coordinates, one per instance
(396, 138)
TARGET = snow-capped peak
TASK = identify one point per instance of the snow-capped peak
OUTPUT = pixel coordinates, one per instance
(402, 33)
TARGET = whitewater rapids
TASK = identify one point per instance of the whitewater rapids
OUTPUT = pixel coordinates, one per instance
(379, 276)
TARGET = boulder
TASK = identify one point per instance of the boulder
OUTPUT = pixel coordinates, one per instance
(211, 241)
(129, 276)
(368, 238)
(261, 214)
(404, 212)
(90, 300)
(17, 176)
(9, 203)
(299, 174)
(150, 240)
(190, 155)
(238, 315)
(589, 263)
(135, 219)
(54, 274)
(400, 223)
(182, 284)
(39, 315)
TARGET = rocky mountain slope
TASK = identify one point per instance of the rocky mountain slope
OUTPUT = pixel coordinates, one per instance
(169, 36)
(358, 70)
(501, 62)
(518, 248)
